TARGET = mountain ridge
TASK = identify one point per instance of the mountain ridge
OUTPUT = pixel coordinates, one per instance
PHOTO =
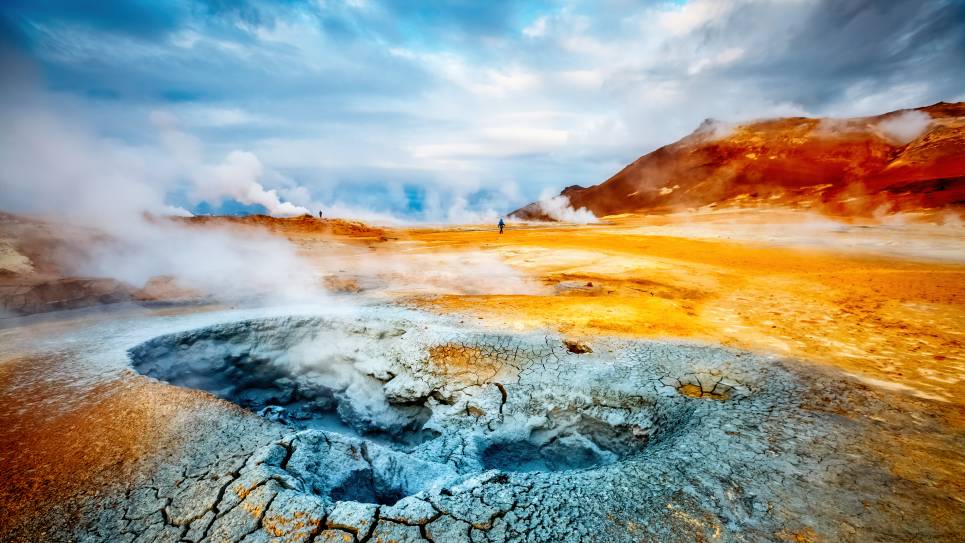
(904, 160)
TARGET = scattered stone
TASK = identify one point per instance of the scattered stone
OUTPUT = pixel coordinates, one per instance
(576, 346)
(577, 288)
(275, 413)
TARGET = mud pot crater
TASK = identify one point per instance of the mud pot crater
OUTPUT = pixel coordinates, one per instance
(394, 421)
(376, 384)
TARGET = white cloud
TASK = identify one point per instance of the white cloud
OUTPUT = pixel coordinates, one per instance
(218, 116)
(725, 57)
(685, 18)
(336, 95)
(537, 28)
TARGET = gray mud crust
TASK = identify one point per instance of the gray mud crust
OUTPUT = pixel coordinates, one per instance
(393, 430)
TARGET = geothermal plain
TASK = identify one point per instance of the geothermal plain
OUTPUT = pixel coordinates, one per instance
(737, 374)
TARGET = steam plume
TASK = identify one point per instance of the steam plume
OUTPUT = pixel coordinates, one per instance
(904, 127)
(559, 208)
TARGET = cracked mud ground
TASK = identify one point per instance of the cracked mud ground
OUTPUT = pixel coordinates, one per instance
(430, 431)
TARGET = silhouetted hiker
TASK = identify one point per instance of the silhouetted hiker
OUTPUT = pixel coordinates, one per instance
(501, 225)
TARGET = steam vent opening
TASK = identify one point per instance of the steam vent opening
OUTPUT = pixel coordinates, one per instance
(306, 374)
(566, 442)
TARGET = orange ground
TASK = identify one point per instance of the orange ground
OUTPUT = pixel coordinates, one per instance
(896, 322)
(61, 440)
(883, 300)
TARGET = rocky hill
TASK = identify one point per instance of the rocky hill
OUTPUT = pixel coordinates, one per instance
(899, 161)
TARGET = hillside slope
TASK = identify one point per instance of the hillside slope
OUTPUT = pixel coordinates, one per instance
(898, 161)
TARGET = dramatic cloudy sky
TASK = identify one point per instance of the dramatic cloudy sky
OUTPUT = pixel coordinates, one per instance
(437, 111)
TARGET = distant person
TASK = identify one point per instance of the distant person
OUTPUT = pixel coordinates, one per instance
(501, 225)
(319, 214)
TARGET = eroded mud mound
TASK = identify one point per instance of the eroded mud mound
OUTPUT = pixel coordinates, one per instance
(378, 389)
(305, 374)
(390, 430)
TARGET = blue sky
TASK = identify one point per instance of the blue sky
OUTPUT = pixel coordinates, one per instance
(431, 111)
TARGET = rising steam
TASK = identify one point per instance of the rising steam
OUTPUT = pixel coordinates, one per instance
(237, 177)
(53, 166)
(558, 208)
(904, 127)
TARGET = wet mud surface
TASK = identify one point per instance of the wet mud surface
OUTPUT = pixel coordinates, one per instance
(392, 425)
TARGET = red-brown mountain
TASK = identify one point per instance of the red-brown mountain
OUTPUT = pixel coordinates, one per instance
(900, 161)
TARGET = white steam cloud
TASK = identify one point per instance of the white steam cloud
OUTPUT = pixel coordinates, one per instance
(714, 129)
(237, 178)
(401, 273)
(51, 165)
(905, 126)
(222, 262)
(559, 208)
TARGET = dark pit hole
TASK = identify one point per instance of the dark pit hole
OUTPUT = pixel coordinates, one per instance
(366, 487)
(575, 442)
(235, 364)
(346, 468)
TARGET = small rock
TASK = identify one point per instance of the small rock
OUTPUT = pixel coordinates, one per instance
(577, 288)
(275, 413)
(576, 346)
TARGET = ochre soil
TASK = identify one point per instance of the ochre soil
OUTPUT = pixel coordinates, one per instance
(895, 322)
(885, 302)
(62, 439)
